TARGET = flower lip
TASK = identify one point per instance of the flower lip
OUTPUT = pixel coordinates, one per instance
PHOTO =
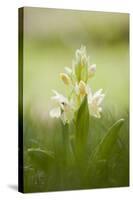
(55, 112)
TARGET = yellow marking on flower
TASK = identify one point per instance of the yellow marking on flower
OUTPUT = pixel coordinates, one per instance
(65, 78)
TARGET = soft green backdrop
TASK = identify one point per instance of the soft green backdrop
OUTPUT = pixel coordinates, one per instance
(50, 40)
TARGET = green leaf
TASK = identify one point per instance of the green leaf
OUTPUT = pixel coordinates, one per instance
(105, 147)
(98, 162)
(41, 159)
(82, 128)
(65, 147)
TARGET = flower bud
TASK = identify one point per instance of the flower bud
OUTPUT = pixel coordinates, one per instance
(83, 60)
(91, 71)
(82, 88)
(78, 55)
(65, 78)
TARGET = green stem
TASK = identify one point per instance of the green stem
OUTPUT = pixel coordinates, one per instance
(65, 143)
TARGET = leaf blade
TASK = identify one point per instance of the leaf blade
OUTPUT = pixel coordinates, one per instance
(82, 129)
(105, 146)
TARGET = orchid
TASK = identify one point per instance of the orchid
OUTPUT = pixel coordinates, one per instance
(81, 150)
(95, 101)
(63, 108)
(78, 79)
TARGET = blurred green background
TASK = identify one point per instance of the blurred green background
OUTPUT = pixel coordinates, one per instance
(51, 37)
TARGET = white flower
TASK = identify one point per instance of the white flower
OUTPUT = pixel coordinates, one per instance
(81, 88)
(58, 97)
(94, 101)
(63, 109)
(68, 70)
(55, 112)
(91, 70)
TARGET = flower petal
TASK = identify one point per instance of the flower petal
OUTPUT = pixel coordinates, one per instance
(68, 70)
(59, 98)
(55, 112)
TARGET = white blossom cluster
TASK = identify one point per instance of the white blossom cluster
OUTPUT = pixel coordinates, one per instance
(77, 79)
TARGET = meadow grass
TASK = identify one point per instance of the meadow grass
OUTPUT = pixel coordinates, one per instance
(49, 166)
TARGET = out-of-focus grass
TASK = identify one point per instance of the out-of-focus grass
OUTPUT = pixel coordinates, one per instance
(41, 174)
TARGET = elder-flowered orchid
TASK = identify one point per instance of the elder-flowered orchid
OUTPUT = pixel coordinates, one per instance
(63, 108)
(78, 79)
(94, 102)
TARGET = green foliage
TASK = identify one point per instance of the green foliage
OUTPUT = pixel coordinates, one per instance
(84, 154)
(82, 130)
(41, 159)
(105, 146)
(98, 167)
